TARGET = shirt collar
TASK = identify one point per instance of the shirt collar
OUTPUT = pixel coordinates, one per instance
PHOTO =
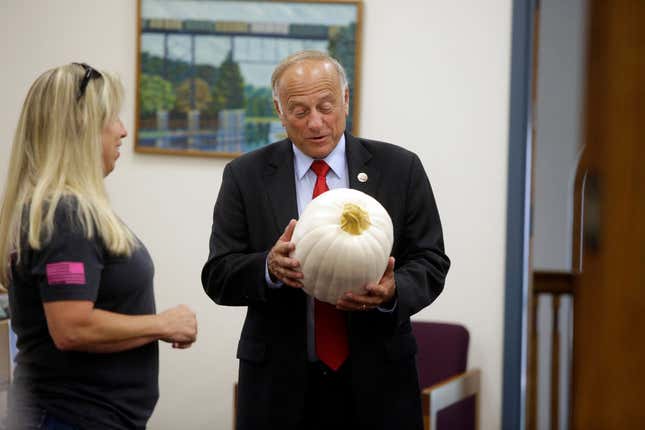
(335, 159)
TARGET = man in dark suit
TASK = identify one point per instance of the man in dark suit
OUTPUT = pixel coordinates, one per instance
(288, 379)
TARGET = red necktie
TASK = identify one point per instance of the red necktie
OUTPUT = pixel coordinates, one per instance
(331, 328)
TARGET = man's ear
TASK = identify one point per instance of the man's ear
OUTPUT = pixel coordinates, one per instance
(346, 100)
(276, 105)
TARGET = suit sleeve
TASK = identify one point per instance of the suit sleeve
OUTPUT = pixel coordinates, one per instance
(422, 265)
(233, 274)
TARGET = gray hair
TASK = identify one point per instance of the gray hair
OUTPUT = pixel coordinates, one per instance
(304, 56)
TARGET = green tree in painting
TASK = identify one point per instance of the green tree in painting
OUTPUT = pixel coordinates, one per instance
(176, 71)
(156, 94)
(341, 47)
(151, 64)
(259, 102)
(229, 86)
(202, 96)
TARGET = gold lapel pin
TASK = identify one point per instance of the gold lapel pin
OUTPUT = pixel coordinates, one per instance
(362, 177)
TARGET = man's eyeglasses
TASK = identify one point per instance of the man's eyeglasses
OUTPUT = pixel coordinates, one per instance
(90, 74)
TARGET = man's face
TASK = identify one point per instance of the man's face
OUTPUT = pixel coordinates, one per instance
(314, 106)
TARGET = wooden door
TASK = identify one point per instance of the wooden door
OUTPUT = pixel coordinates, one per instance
(609, 304)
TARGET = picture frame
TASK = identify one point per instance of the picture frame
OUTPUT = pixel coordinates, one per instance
(204, 69)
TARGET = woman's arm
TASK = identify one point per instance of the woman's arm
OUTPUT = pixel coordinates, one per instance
(75, 325)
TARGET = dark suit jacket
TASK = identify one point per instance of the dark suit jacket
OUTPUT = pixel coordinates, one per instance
(257, 199)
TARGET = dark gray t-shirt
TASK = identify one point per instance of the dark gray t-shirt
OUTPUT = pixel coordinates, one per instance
(89, 390)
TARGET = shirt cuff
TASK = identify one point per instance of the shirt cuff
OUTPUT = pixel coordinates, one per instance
(389, 309)
(267, 277)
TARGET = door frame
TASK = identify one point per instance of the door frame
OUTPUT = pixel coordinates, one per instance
(518, 217)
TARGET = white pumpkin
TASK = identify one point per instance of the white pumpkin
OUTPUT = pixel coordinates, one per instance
(343, 241)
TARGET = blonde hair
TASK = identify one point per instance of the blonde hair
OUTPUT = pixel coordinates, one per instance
(301, 56)
(57, 152)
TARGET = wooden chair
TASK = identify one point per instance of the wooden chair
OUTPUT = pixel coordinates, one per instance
(450, 394)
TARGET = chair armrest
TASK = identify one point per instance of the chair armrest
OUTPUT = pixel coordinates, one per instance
(5, 352)
(448, 392)
(235, 405)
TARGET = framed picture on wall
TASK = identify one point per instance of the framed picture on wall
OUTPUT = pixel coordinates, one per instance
(204, 69)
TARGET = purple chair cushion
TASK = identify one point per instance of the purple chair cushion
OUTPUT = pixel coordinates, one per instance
(442, 351)
(458, 416)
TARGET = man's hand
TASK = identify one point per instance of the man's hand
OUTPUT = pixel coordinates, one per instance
(281, 266)
(375, 294)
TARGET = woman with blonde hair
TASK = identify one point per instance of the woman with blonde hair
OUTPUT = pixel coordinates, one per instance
(80, 282)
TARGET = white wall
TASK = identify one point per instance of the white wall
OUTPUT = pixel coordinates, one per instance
(435, 80)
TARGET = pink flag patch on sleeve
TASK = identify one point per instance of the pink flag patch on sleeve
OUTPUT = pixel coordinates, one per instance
(66, 272)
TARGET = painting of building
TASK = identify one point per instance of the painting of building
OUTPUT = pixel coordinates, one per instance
(204, 69)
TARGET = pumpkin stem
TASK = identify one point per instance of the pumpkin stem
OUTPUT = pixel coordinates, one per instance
(354, 219)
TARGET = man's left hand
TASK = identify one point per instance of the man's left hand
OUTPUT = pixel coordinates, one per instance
(375, 294)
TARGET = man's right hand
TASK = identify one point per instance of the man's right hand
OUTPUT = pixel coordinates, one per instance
(282, 267)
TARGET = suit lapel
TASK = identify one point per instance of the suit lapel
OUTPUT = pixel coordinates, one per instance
(358, 166)
(280, 185)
